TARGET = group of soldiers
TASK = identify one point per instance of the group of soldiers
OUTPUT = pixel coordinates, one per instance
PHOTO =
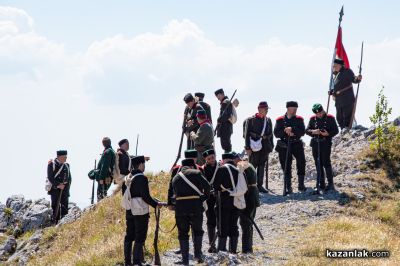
(201, 183)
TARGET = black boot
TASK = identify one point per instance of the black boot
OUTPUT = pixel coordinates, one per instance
(262, 189)
(128, 253)
(233, 243)
(246, 240)
(184, 245)
(211, 236)
(221, 243)
(198, 254)
(137, 253)
(301, 186)
(329, 176)
(289, 189)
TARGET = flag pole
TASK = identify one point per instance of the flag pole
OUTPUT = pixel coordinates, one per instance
(358, 87)
(341, 13)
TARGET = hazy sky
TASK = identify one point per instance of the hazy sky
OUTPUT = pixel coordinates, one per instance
(72, 72)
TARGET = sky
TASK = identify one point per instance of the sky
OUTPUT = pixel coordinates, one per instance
(72, 72)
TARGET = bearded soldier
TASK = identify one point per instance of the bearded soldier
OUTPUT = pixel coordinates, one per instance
(289, 128)
(191, 189)
(59, 176)
(225, 127)
(322, 128)
(259, 143)
(343, 92)
(199, 96)
(210, 169)
(252, 202)
(106, 166)
(229, 213)
(136, 188)
(204, 137)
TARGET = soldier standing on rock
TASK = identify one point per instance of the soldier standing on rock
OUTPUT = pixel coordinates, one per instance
(203, 105)
(124, 159)
(289, 128)
(191, 124)
(191, 189)
(59, 175)
(210, 169)
(225, 129)
(203, 139)
(322, 128)
(136, 201)
(343, 92)
(229, 213)
(106, 166)
(259, 143)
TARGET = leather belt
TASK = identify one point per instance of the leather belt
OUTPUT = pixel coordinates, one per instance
(187, 198)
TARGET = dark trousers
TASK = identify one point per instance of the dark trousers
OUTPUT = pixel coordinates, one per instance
(136, 230)
(247, 228)
(190, 220)
(325, 161)
(343, 115)
(296, 151)
(226, 142)
(63, 209)
(261, 166)
(229, 222)
(210, 213)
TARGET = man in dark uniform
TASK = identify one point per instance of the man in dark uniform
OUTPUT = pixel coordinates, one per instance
(210, 169)
(59, 175)
(203, 139)
(258, 133)
(225, 127)
(343, 92)
(137, 220)
(124, 159)
(203, 105)
(289, 128)
(229, 213)
(191, 189)
(106, 167)
(322, 128)
(252, 202)
(191, 124)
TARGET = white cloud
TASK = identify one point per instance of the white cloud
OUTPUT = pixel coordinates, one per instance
(121, 86)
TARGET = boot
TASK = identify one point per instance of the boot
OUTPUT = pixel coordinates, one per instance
(128, 253)
(301, 186)
(211, 235)
(262, 190)
(137, 253)
(198, 254)
(221, 243)
(233, 242)
(100, 192)
(184, 245)
(329, 176)
(289, 189)
(246, 240)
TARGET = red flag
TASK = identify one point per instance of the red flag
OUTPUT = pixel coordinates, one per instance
(340, 51)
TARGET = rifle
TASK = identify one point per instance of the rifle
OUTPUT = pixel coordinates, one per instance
(58, 207)
(318, 167)
(223, 112)
(182, 135)
(218, 219)
(285, 190)
(137, 143)
(255, 225)
(94, 181)
(157, 260)
(358, 87)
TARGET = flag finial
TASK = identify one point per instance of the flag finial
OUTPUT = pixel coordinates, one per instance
(341, 15)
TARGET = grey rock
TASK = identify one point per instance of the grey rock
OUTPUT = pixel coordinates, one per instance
(73, 214)
(37, 215)
(10, 245)
(15, 202)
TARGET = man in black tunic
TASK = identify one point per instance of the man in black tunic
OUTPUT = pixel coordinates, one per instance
(289, 128)
(191, 189)
(225, 127)
(229, 213)
(124, 159)
(137, 220)
(259, 143)
(322, 128)
(343, 92)
(191, 123)
(59, 175)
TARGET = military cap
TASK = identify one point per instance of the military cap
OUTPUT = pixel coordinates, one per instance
(218, 91)
(138, 159)
(188, 98)
(291, 104)
(62, 152)
(190, 154)
(208, 153)
(317, 108)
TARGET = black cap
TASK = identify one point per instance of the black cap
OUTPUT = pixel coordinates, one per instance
(263, 104)
(62, 152)
(122, 142)
(208, 153)
(190, 154)
(138, 159)
(291, 104)
(201, 114)
(188, 98)
(218, 92)
(188, 162)
(229, 155)
(339, 61)
(199, 94)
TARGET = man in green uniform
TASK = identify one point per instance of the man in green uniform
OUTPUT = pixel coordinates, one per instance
(203, 139)
(106, 167)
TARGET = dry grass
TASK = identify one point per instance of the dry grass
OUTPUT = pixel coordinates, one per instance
(97, 238)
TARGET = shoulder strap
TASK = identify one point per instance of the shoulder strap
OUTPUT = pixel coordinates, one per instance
(215, 173)
(190, 184)
(265, 125)
(129, 178)
(130, 162)
(231, 176)
(59, 170)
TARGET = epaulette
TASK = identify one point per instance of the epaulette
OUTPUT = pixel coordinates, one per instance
(313, 116)
(329, 115)
(280, 118)
(176, 166)
(299, 117)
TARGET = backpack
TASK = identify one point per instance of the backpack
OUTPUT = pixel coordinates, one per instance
(239, 190)
(233, 118)
(136, 205)
(115, 174)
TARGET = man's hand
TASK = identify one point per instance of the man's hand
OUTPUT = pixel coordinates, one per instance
(359, 78)
(288, 130)
(190, 123)
(192, 135)
(249, 152)
(171, 207)
(161, 204)
(61, 186)
(324, 133)
(316, 132)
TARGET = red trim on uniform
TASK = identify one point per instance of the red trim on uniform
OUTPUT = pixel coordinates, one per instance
(300, 117)
(176, 166)
(258, 115)
(280, 118)
(329, 115)
(313, 116)
(205, 122)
